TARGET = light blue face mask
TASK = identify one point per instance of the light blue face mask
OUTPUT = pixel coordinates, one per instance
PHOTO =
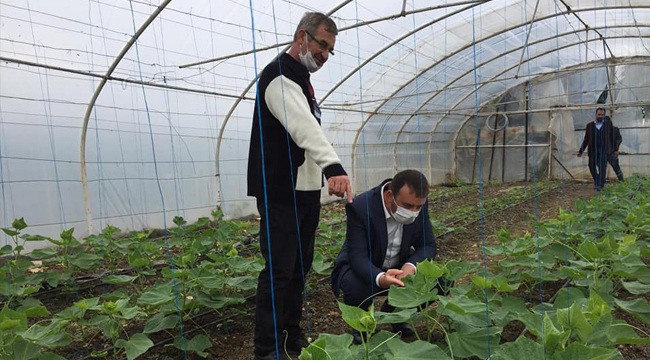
(307, 60)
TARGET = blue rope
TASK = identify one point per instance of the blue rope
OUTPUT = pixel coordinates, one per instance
(293, 183)
(4, 202)
(49, 123)
(162, 198)
(266, 201)
(566, 251)
(365, 154)
(539, 258)
(117, 123)
(480, 177)
(417, 118)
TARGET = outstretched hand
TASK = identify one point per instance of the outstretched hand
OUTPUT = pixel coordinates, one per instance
(339, 186)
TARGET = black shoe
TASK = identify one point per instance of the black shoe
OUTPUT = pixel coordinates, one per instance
(295, 345)
(271, 356)
(405, 328)
(356, 337)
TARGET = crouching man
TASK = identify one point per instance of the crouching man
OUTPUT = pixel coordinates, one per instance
(388, 232)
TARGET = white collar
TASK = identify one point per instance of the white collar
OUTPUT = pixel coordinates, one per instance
(383, 204)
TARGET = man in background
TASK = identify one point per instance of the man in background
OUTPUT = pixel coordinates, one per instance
(598, 141)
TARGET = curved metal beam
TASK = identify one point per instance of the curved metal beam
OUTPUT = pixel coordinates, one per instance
(243, 94)
(91, 104)
(436, 93)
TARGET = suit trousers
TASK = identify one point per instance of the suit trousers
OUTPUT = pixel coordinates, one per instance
(289, 235)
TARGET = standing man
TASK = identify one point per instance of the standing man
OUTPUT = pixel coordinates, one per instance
(598, 140)
(612, 158)
(388, 233)
(295, 156)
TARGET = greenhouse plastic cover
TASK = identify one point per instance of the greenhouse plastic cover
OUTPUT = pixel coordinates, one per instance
(411, 91)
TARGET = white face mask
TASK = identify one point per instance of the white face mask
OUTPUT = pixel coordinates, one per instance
(404, 216)
(308, 59)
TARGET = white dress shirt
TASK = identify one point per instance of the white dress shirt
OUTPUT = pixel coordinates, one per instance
(395, 231)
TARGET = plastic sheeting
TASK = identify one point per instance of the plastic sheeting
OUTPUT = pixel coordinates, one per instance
(399, 93)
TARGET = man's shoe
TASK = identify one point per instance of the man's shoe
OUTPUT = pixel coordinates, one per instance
(405, 328)
(295, 345)
(271, 356)
(356, 337)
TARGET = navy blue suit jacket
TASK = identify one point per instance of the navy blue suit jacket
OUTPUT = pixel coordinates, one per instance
(418, 241)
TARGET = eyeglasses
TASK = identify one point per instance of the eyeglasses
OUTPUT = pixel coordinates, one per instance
(322, 43)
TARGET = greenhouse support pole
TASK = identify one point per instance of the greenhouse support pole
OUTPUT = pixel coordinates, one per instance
(526, 84)
(91, 104)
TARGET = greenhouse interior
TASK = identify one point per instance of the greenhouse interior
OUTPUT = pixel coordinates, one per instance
(131, 228)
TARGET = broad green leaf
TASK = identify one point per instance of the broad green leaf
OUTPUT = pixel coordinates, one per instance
(600, 329)
(554, 338)
(430, 269)
(85, 261)
(12, 320)
(137, 345)
(636, 288)
(32, 308)
(358, 319)
(131, 312)
(378, 342)
(119, 279)
(574, 320)
(568, 296)
(337, 346)
(50, 356)
(577, 351)
(40, 254)
(220, 300)
(157, 296)
(475, 343)
(638, 308)
(395, 317)
(160, 322)
(243, 283)
(56, 340)
(522, 348)
(315, 351)
(10, 232)
(178, 273)
(462, 305)
(501, 285)
(24, 350)
(197, 344)
(417, 350)
(320, 266)
(597, 307)
(417, 290)
(458, 269)
(19, 224)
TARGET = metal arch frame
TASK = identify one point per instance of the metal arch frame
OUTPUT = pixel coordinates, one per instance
(93, 100)
(453, 53)
(243, 94)
(354, 144)
(436, 93)
(455, 139)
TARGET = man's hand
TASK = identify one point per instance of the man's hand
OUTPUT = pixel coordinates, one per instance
(579, 154)
(616, 154)
(339, 186)
(407, 270)
(390, 277)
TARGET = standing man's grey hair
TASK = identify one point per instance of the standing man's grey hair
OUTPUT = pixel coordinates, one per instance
(312, 20)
